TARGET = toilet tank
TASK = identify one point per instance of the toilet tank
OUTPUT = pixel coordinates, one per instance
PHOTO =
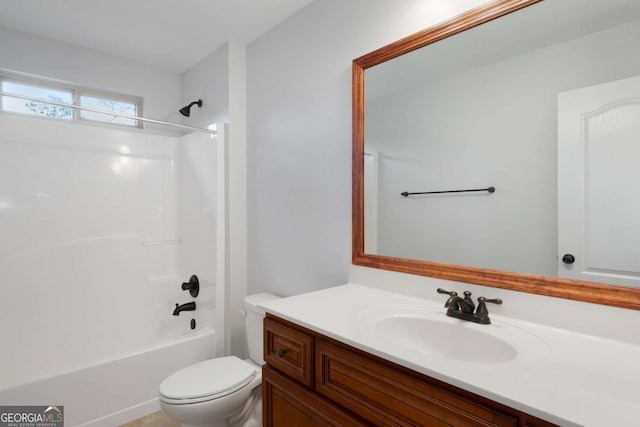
(253, 316)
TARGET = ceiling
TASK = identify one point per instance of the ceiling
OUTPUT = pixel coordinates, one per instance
(169, 34)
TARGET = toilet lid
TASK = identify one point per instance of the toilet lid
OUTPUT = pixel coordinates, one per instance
(211, 377)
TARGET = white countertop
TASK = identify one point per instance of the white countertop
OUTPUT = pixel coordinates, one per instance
(571, 379)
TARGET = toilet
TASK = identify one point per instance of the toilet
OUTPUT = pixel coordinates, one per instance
(225, 391)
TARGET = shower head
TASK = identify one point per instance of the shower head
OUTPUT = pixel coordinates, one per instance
(186, 111)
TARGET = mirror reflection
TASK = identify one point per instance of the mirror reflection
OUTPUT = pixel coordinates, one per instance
(543, 105)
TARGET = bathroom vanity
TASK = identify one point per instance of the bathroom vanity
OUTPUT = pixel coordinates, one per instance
(354, 355)
(340, 381)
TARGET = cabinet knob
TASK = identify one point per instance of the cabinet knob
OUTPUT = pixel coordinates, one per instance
(281, 352)
(568, 259)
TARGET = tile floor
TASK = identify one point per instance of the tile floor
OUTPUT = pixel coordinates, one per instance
(157, 419)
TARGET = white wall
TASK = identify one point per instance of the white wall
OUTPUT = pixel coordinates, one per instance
(161, 90)
(494, 125)
(237, 198)
(299, 135)
(208, 80)
(220, 81)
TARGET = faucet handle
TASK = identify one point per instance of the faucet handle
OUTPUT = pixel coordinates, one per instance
(193, 286)
(450, 293)
(482, 306)
(451, 302)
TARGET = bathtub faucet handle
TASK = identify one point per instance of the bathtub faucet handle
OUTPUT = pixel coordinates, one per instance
(193, 286)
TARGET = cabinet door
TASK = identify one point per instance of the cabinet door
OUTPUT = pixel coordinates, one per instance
(288, 350)
(387, 397)
(287, 404)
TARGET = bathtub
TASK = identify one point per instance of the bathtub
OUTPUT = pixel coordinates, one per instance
(100, 228)
(114, 391)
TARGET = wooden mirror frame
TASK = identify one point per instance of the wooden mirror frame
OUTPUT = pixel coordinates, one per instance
(598, 293)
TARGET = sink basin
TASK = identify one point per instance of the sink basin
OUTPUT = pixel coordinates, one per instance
(427, 330)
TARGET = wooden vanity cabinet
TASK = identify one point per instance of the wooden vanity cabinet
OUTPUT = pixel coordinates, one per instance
(310, 379)
(287, 403)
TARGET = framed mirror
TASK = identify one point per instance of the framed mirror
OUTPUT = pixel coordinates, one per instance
(502, 148)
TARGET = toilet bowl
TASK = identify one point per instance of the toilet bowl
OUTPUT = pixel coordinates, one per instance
(224, 391)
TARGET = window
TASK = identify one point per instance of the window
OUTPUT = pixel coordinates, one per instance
(18, 105)
(111, 105)
(95, 102)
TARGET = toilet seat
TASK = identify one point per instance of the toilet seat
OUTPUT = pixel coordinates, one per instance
(208, 380)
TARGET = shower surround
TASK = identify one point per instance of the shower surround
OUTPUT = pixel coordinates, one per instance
(100, 226)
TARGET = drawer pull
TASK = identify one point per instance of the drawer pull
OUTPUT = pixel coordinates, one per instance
(281, 352)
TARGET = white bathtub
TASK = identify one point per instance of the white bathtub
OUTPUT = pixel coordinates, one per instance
(115, 391)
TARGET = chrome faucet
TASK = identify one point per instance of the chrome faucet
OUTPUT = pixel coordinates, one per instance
(462, 308)
(190, 306)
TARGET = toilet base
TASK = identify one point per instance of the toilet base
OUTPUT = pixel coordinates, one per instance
(249, 415)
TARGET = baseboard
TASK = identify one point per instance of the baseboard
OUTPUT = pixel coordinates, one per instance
(125, 415)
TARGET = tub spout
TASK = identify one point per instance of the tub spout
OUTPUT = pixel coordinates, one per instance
(190, 306)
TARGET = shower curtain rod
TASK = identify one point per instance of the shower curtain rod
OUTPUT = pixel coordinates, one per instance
(94, 110)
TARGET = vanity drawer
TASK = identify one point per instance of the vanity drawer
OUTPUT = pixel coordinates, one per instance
(386, 396)
(288, 350)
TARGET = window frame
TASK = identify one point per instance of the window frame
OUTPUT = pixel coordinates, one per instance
(77, 93)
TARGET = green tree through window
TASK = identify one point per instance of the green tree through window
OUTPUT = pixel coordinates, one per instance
(50, 110)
